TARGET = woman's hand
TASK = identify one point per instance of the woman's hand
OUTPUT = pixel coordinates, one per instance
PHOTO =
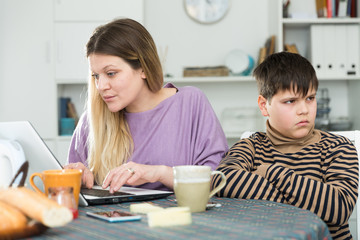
(136, 174)
(87, 175)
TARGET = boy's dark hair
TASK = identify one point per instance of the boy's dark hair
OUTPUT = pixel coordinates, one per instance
(285, 71)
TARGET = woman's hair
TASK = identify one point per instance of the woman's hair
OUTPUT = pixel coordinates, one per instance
(285, 71)
(110, 142)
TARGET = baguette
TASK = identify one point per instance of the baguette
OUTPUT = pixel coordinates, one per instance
(37, 206)
(11, 220)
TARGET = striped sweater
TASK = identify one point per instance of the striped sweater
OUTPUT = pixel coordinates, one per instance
(321, 177)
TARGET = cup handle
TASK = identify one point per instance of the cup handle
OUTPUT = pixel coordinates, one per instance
(221, 185)
(31, 179)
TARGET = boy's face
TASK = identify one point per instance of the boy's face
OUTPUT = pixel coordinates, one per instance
(290, 114)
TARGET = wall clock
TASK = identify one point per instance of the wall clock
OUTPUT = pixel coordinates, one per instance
(206, 11)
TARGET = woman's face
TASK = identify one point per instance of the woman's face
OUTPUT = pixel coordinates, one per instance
(119, 85)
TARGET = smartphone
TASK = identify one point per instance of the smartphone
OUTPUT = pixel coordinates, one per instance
(114, 216)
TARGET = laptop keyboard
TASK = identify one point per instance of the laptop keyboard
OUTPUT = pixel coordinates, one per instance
(102, 193)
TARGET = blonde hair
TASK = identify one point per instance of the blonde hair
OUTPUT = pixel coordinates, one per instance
(110, 142)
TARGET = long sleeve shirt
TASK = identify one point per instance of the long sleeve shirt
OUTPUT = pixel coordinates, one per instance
(321, 177)
(181, 130)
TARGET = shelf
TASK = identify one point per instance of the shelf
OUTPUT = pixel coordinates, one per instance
(306, 22)
(210, 79)
(71, 81)
(345, 78)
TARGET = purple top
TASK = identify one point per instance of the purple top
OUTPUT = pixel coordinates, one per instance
(182, 130)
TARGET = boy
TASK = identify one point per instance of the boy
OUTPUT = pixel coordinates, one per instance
(292, 162)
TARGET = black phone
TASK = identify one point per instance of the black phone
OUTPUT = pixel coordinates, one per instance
(114, 216)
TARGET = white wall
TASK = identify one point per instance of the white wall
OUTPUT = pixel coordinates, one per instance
(193, 44)
(246, 26)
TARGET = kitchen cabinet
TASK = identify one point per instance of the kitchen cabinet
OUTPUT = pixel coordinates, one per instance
(27, 86)
(74, 26)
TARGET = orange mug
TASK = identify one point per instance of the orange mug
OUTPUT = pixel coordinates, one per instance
(59, 178)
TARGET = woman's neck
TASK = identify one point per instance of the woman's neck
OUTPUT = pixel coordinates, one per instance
(149, 100)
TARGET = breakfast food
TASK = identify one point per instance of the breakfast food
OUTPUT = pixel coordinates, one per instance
(172, 216)
(36, 206)
(144, 208)
(12, 220)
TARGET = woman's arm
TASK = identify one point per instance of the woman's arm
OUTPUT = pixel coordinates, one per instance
(207, 135)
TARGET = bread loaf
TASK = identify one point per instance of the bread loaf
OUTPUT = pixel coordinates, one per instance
(11, 220)
(36, 206)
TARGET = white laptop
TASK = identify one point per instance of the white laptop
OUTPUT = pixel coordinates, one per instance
(40, 158)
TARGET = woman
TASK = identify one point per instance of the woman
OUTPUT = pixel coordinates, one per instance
(134, 130)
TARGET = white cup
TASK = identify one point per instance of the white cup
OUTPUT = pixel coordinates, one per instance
(192, 186)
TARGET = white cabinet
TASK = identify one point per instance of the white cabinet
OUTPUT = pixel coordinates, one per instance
(70, 40)
(98, 10)
(27, 86)
(74, 23)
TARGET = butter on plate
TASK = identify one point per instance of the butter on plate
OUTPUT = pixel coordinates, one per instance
(144, 208)
(172, 216)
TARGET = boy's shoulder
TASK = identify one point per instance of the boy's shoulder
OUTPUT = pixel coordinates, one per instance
(249, 143)
(255, 138)
(333, 139)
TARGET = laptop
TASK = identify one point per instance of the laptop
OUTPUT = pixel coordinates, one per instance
(40, 158)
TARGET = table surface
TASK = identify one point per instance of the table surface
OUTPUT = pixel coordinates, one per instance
(235, 219)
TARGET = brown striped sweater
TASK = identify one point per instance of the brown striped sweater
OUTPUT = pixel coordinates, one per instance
(321, 177)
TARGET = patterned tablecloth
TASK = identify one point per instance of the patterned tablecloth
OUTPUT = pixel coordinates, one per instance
(235, 219)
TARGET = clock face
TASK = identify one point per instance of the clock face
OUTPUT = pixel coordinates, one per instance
(207, 11)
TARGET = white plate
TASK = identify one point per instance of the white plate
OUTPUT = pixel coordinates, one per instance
(239, 63)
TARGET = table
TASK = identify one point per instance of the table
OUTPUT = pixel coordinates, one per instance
(235, 219)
